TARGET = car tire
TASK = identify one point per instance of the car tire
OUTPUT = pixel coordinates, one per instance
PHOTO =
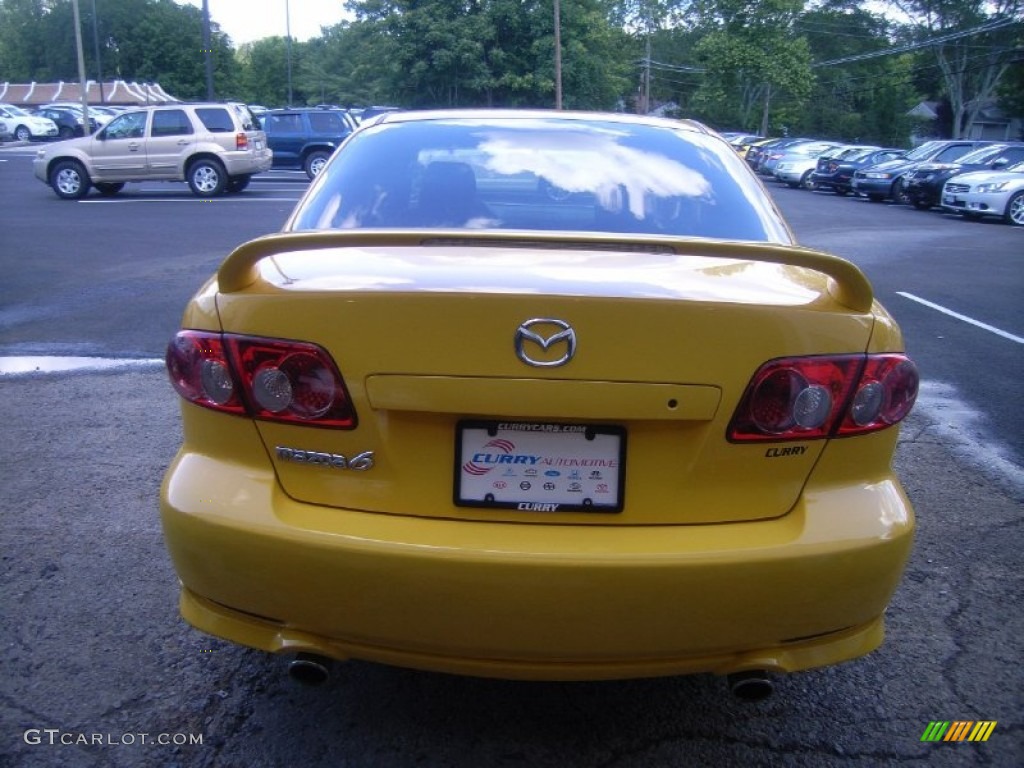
(314, 163)
(806, 182)
(841, 192)
(109, 189)
(238, 183)
(69, 180)
(921, 205)
(22, 133)
(876, 198)
(207, 178)
(898, 193)
(65, 132)
(1015, 210)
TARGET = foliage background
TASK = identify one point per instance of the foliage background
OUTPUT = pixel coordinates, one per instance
(828, 68)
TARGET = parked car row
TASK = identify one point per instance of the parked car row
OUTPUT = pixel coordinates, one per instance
(59, 120)
(969, 177)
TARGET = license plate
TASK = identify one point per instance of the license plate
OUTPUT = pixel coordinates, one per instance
(540, 467)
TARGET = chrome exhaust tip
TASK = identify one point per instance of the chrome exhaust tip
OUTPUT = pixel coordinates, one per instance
(310, 669)
(752, 685)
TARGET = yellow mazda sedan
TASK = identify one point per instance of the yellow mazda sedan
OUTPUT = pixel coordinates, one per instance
(539, 395)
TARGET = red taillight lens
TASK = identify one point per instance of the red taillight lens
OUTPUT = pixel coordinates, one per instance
(270, 379)
(241, 141)
(808, 398)
(885, 395)
(200, 372)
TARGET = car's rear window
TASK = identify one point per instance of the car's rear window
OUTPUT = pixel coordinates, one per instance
(216, 119)
(541, 174)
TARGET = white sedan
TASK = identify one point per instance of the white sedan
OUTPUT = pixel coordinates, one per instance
(25, 127)
(987, 193)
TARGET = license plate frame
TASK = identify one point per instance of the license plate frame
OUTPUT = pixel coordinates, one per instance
(543, 467)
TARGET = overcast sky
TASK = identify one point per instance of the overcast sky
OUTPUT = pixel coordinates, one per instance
(247, 20)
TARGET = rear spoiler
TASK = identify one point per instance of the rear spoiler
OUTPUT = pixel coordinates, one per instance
(847, 284)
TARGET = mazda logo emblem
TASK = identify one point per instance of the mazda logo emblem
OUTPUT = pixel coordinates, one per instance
(539, 336)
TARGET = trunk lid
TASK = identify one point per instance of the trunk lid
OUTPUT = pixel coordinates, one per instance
(428, 342)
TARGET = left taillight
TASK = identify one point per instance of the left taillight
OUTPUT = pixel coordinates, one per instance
(809, 398)
(270, 379)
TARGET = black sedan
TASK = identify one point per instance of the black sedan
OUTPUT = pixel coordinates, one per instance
(69, 123)
(836, 173)
(923, 186)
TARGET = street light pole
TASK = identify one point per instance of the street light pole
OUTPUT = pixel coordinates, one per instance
(288, 42)
(208, 50)
(558, 54)
(83, 85)
(96, 48)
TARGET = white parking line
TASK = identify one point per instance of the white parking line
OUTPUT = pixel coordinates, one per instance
(966, 431)
(27, 365)
(964, 318)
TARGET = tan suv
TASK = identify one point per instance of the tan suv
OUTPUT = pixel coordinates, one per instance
(213, 147)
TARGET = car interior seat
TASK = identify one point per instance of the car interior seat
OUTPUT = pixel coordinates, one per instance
(448, 196)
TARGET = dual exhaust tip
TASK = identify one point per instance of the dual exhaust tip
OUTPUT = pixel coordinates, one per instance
(750, 685)
(312, 670)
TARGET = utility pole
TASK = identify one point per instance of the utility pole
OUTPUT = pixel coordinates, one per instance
(558, 54)
(647, 75)
(764, 114)
(288, 41)
(96, 49)
(208, 50)
(82, 84)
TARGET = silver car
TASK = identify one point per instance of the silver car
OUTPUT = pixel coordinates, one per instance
(987, 193)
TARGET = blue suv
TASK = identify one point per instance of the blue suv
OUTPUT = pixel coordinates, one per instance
(305, 138)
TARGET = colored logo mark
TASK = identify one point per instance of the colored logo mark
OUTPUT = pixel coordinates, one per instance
(958, 730)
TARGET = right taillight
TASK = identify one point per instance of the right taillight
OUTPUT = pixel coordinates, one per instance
(271, 379)
(810, 398)
(884, 396)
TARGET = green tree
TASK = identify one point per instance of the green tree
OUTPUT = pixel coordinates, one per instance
(497, 52)
(140, 40)
(863, 93)
(263, 72)
(22, 45)
(973, 45)
(758, 69)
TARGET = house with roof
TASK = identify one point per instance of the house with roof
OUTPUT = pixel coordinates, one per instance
(990, 124)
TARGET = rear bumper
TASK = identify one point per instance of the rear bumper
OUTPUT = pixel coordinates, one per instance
(534, 601)
(247, 163)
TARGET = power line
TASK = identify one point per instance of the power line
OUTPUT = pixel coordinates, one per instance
(989, 27)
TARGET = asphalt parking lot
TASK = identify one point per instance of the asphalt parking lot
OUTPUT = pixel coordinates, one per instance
(99, 670)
